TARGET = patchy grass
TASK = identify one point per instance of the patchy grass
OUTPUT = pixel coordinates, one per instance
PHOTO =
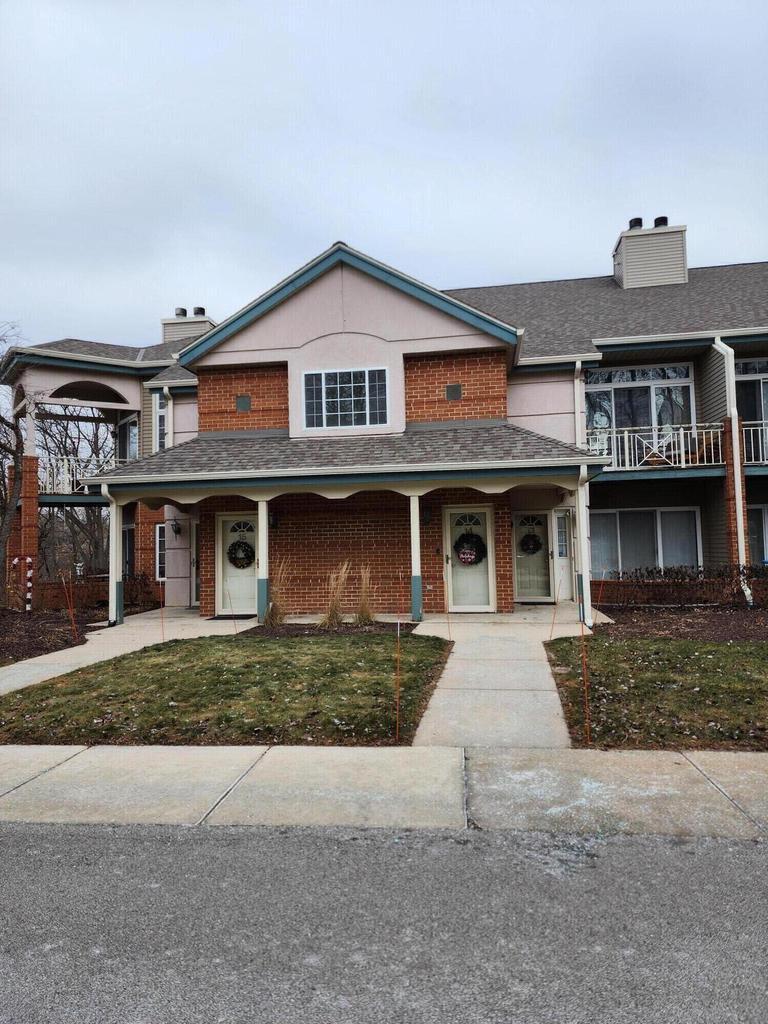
(653, 692)
(323, 689)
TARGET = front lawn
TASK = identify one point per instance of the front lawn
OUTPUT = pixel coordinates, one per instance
(649, 692)
(316, 688)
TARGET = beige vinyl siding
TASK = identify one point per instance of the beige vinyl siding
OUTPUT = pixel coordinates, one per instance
(145, 423)
(651, 258)
(713, 526)
(185, 327)
(712, 397)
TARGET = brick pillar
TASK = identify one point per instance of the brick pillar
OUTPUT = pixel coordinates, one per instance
(144, 541)
(731, 510)
(23, 542)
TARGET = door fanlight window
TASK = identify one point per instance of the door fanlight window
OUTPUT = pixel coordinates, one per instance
(241, 552)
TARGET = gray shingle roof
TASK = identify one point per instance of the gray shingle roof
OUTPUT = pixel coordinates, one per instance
(244, 454)
(563, 317)
(105, 350)
(174, 373)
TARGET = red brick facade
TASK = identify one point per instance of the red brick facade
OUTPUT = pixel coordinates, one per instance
(24, 537)
(267, 387)
(732, 511)
(369, 529)
(481, 375)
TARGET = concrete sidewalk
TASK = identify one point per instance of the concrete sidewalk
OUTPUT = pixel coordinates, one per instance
(137, 631)
(559, 791)
(497, 689)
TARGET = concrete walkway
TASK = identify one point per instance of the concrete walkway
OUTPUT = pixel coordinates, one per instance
(559, 791)
(497, 689)
(136, 632)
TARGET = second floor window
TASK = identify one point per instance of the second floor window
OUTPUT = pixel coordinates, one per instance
(159, 427)
(752, 389)
(128, 440)
(645, 396)
(345, 398)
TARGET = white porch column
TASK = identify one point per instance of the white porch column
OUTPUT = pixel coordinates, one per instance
(30, 438)
(582, 541)
(115, 563)
(262, 580)
(417, 593)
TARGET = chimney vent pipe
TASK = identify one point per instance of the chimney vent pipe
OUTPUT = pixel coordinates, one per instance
(180, 311)
(199, 311)
(635, 222)
(661, 222)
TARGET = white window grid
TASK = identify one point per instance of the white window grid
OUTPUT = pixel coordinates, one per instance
(346, 398)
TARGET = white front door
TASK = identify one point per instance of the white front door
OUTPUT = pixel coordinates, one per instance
(469, 564)
(237, 565)
(563, 547)
(533, 580)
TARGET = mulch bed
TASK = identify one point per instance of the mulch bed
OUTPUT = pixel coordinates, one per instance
(711, 624)
(25, 635)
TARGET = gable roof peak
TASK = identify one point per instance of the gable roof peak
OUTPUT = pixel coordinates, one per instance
(341, 253)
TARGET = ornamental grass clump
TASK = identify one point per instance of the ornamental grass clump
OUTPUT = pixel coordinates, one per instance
(364, 613)
(278, 585)
(337, 584)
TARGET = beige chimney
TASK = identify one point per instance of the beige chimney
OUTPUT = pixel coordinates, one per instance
(644, 257)
(182, 326)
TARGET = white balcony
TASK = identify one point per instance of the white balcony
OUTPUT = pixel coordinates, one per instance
(659, 447)
(63, 475)
(754, 443)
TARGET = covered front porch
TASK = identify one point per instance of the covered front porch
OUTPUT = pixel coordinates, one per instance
(476, 545)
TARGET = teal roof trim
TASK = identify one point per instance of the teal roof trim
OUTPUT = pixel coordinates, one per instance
(342, 255)
(610, 476)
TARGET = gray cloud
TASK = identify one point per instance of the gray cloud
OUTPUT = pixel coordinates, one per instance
(168, 153)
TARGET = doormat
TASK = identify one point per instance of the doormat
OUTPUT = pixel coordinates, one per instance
(220, 618)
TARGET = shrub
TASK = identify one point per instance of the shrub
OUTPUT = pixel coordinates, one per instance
(364, 613)
(276, 611)
(337, 583)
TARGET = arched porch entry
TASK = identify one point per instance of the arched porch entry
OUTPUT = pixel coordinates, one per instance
(430, 548)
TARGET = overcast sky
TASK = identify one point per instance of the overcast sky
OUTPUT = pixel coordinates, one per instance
(193, 153)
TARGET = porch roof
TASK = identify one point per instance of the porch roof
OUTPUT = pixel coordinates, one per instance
(442, 447)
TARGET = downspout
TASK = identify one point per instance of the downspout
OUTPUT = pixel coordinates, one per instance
(730, 390)
(168, 417)
(577, 390)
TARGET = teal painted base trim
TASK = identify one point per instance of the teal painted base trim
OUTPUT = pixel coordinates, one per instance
(757, 470)
(262, 598)
(120, 604)
(417, 599)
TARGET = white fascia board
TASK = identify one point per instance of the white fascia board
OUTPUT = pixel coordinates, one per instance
(158, 384)
(735, 332)
(579, 458)
(571, 358)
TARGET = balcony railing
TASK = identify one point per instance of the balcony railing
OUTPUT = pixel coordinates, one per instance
(755, 442)
(63, 475)
(659, 447)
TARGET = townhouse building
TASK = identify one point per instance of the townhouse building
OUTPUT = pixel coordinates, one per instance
(475, 448)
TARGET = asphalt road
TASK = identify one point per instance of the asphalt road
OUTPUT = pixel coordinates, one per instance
(149, 925)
